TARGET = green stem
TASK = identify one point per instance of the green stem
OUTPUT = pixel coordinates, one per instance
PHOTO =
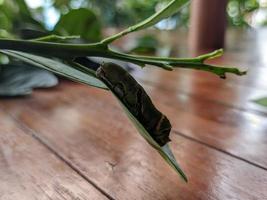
(188, 63)
(218, 70)
(199, 59)
(68, 51)
(61, 50)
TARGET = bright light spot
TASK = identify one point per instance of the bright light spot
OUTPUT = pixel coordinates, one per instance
(253, 119)
(35, 3)
(166, 24)
(263, 3)
(1, 2)
(76, 4)
(51, 17)
(262, 46)
(259, 18)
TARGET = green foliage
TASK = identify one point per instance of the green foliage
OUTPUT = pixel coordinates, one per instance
(146, 44)
(117, 12)
(164, 13)
(121, 12)
(238, 10)
(19, 79)
(262, 101)
(81, 22)
(15, 15)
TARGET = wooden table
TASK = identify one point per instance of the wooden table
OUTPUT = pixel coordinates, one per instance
(75, 142)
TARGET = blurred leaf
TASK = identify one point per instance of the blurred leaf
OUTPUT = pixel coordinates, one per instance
(3, 60)
(26, 17)
(18, 79)
(5, 23)
(81, 22)
(165, 12)
(238, 11)
(146, 44)
(57, 67)
(5, 34)
(262, 101)
(17, 16)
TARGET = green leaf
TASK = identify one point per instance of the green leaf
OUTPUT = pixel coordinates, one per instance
(146, 44)
(81, 22)
(166, 12)
(164, 151)
(261, 101)
(81, 76)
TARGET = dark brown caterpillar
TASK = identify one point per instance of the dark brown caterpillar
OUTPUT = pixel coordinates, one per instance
(136, 100)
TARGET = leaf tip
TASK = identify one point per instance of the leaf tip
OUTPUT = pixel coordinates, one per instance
(243, 72)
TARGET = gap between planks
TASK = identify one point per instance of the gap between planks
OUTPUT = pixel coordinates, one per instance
(43, 141)
(219, 149)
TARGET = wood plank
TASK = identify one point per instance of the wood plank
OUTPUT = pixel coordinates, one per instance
(87, 127)
(242, 134)
(29, 171)
(201, 85)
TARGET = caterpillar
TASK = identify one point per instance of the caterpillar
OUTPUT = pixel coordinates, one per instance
(135, 98)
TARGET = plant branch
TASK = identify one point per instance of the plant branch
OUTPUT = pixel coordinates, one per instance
(65, 50)
(55, 49)
(165, 12)
(189, 63)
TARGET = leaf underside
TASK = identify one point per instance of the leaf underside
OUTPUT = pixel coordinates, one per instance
(57, 67)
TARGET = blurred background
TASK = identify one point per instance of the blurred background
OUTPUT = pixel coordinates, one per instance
(95, 18)
(200, 27)
(45, 14)
(91, 17)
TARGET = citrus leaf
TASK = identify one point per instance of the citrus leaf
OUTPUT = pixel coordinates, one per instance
(57, 67)
(261, 101)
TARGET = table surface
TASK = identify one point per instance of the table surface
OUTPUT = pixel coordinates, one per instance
(75, 141)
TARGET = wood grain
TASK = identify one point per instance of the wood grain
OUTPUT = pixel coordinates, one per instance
(29, 171)
(200, 85)
(94, 135)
